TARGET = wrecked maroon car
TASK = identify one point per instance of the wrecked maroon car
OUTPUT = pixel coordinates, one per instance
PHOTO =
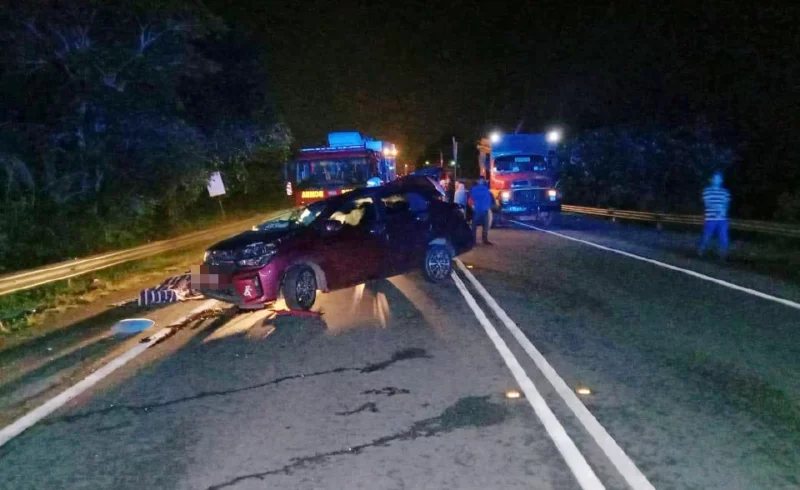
(339, 242)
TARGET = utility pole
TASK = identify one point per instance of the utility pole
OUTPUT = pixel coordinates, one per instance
(455, 158)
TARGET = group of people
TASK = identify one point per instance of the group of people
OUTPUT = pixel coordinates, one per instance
(716, 200)
(481, 203)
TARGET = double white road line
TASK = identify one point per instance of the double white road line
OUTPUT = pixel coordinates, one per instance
(577, 463)
(34, 416)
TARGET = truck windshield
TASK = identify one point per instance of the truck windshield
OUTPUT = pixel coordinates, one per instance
(520, 164)
(329, 173)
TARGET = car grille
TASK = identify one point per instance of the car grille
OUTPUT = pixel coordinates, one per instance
(529, 195)
(228, 294)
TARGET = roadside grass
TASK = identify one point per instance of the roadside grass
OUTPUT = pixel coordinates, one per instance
(28, 314)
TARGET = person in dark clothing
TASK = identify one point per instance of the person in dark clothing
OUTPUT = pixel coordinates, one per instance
(451, 190)
(481, 207)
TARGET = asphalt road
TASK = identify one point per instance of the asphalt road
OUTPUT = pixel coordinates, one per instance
(397, 384)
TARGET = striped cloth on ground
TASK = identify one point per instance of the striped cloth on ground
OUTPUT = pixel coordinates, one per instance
(168, 291)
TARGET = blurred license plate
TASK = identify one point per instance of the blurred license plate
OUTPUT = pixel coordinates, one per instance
(209, 275)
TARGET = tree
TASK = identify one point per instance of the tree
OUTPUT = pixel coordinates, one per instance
(657, 169)
(104, 136)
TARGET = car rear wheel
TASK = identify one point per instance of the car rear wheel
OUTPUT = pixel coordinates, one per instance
(438, 263)
(300, 288)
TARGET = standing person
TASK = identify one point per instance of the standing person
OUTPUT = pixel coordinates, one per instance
(716, 200)
(451, 190)
(445, 183)
(461, 195)
(481, 205)
(461, 198)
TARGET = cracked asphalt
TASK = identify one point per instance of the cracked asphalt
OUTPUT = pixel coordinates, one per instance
(397, 386)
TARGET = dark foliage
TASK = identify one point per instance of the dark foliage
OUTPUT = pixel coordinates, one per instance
(113, 114)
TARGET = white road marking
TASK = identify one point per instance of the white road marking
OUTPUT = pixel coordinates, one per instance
(690, 272)
(586, 477)
(34, 416)
(626, 467)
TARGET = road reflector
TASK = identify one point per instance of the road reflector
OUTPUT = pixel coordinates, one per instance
(513, 394)
(583, 390)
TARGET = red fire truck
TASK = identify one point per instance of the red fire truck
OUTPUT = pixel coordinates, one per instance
(348, 161)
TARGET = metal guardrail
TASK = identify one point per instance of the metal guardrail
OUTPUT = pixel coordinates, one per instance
(781, 229)
(40, 276)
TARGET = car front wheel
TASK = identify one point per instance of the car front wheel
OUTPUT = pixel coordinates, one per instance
(438, 263)
(300, 288)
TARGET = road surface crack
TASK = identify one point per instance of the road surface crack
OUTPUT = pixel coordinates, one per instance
(472, 411)
(369, 406)
(402, 355)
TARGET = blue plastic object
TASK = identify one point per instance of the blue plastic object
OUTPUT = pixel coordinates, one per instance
(131, 326)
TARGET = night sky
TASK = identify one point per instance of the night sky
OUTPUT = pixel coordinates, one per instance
(415, 71)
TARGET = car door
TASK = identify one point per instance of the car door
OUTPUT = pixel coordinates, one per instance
(357, 252)
(407, 229)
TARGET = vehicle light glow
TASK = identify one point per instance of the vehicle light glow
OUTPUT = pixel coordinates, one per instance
(505, 195)
(583, 390)
(552, 193)
(312, 194)
(513, 394)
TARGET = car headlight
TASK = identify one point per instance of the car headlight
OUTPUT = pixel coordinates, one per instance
(255, 255)
(505, 196)
(552, 193)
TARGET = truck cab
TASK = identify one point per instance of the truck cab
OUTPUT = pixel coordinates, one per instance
(522, 179)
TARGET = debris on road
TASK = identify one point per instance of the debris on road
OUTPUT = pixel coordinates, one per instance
(298, 313)
(131, 326)
(197, 317)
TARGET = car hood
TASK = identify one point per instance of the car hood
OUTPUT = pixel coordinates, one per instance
(243, 239)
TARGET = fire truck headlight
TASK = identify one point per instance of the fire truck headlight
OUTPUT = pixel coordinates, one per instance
(552, 194)
(505, 196)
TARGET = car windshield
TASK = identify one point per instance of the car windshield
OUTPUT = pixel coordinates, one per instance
(520, 164)
(298, 218)
(307, 215)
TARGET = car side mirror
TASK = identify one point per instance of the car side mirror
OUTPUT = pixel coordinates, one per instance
(331, 227)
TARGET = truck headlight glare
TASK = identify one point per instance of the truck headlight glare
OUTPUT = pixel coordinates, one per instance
(505, 196)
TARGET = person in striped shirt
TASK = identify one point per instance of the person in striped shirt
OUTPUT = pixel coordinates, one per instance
(716, 199)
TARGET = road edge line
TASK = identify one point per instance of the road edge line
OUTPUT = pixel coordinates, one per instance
(621, 461)
(754, 292)
(34, 416)
(576, 462)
